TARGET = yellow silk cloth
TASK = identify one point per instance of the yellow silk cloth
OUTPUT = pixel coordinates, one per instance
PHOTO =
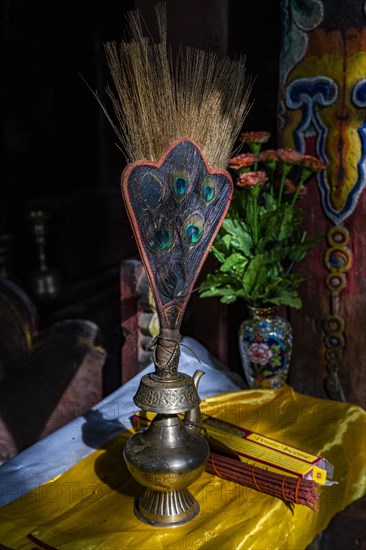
(91, 505)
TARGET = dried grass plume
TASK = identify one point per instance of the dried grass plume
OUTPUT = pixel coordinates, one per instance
(156, 101)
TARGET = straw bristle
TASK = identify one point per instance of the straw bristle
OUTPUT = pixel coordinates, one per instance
(155, 102)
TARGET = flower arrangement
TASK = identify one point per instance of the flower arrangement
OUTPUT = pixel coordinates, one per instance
(261, 237)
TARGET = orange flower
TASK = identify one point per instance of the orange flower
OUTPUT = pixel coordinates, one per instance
(255, 137)
(242, 161)
(250, 179)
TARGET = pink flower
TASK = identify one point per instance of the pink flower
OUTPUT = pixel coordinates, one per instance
(259, 353)
(269, 155)
(290, 188)
(255, 137)
(250, 179)
(289, 156)
(242, 161)
(314, 164)
(270, 160)
(309, 165)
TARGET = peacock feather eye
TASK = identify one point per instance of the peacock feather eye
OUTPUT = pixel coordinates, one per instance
(161, 238)
(208, 189)
(180, 185)
(193, 229)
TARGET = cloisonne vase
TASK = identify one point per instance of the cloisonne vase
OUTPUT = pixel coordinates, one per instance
(265, 343)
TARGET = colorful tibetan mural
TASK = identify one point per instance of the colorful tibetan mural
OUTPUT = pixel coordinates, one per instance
(322, 111)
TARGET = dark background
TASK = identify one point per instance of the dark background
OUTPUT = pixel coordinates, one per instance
(59, 152)
(55, 139)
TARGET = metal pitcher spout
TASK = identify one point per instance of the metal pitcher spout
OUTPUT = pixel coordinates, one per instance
(193, 418)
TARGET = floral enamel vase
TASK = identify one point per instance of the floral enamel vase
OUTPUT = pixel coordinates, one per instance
(265, 342)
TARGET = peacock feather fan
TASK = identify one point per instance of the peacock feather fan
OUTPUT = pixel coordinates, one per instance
(175, 207)
(177, 123)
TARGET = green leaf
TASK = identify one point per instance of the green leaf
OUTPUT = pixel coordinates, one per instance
(237, 236)
(300, 249)
(286, 227)
(229, 298)
(275, 255)
(269, 202)
(254, 275)
(220, 256)
(217, 279)
(278, 224)
(227, 240)
(227, 295)
(287, 298)
(235, 262)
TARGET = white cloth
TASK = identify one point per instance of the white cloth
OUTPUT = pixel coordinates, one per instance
(59, 451)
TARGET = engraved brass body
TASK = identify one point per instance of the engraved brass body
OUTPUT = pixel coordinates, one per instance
(170, 455)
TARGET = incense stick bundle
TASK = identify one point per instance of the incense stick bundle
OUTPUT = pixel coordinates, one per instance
(290, 489)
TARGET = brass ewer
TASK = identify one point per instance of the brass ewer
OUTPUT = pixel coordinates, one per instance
(170, 454)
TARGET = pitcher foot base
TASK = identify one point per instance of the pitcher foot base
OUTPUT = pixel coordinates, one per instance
(167, 509)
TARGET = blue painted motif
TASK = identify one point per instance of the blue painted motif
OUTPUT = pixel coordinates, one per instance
(359, 99)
